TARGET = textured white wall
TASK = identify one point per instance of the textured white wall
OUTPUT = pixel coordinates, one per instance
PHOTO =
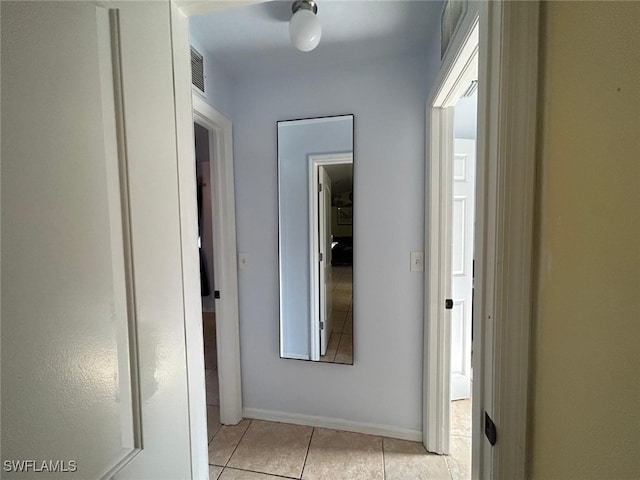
(384, 386)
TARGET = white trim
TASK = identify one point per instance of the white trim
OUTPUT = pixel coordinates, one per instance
(295, 356)
(334, 423)
(507, 96)
(316, 161)
(225, 259)
(194, 345)
(227, 323)
(507, 144)
(459, 69)
(437, 326)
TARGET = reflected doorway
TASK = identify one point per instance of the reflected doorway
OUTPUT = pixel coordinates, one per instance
(203, 139)
(334, 240)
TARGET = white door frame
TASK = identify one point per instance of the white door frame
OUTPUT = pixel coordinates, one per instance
(316, 161)
(224, 257)
(190, 107)
(439, 225)
(507, 116)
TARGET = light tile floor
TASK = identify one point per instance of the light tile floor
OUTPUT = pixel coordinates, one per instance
(211, 373)
(259, 450)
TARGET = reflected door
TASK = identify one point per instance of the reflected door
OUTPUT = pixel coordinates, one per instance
(324, 241)
(462, 267)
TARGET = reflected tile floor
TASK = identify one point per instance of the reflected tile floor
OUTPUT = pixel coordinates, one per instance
(259, 450)
(340, 345)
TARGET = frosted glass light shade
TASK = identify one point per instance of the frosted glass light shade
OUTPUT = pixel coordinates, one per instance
(305, 30)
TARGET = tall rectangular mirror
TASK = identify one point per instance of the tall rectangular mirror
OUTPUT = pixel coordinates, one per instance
(315, 207)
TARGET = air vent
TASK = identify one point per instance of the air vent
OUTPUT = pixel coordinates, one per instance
(197, 70)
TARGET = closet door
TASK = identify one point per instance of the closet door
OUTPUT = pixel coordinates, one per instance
(93, 356)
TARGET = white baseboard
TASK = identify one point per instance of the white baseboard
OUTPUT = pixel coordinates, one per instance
(333, 423)
(295, 356)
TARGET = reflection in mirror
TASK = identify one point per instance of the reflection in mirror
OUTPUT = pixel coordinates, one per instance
(315, 201)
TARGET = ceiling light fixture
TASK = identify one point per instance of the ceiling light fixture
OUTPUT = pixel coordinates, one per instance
(304, 27)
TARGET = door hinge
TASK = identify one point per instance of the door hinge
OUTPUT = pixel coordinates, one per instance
(490, 429)
(319, 187)
(320, 256)
(321, 325)
(448, 304)
(216, 294)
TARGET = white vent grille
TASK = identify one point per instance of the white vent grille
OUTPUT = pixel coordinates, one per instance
(197, 70)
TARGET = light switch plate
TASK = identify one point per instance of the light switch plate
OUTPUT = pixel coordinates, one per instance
(243, 259)
(417, 261)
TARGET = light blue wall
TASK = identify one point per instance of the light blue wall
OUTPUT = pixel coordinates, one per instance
(296, 141)
(388, 97)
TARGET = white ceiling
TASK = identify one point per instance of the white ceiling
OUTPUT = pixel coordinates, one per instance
(254, 39)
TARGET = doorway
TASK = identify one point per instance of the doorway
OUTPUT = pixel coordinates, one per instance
(224, 259)
(204, 163)
(462, 267)
(451, 225)
(506, 35)
(331, 228)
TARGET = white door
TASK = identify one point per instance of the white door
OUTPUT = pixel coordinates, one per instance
(93, 356)
(324, 240)
(462, 266)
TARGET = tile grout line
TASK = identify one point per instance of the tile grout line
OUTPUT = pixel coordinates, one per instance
(384, 462)
(259, 473)
(306, 455)
(446, 462)
(236, 447)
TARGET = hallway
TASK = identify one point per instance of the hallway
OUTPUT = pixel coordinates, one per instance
(260, 450)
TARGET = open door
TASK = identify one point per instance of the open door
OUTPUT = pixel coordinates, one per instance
(93, 334)
(462, 266)
(324, 241)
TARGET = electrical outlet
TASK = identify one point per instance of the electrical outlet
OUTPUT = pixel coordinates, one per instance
(417, 262)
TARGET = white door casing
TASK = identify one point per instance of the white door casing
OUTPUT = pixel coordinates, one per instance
(93, 338)
(505, 180)
(225, 258)
(324, 242)
(462, 266)
(190, 107)
(454, 79)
